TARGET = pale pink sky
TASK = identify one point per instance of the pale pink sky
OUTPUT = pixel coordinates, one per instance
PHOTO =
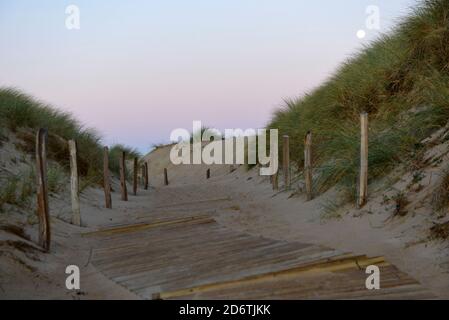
(137, 70)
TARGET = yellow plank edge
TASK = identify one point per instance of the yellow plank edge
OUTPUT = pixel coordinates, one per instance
(355, 262)
(193, 202)
(145, 226)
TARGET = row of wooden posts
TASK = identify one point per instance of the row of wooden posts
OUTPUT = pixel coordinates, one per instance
(42, 189)
(308, 169)
(42, 194)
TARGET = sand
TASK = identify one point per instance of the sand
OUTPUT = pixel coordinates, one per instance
(241, 200)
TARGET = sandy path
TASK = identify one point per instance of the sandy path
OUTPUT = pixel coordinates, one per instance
(239, 201)
(178, 247)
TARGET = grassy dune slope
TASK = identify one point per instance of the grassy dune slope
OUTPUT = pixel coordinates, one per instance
(401, 80)
(20, 116)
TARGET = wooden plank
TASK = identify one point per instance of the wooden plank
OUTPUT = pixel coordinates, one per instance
(193, 202)
(123, 188)
(145, 226)
(165, 177)
(308, 165)
(341, 284)
(363, 184)
(218, 262)
(135, 168)
(106, 179)
(330, 266)
(130, 261)
(286, 161)
(74, 183)
(42, 191)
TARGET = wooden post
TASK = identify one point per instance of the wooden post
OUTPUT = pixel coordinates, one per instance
(42, 195)
(363, 184)
(74, 183)
(123, 177)
(208, 174)
(106, 179)
(165, 177)
(286, 161)
(145, 176)
(275, 181)
(308, 165)
(142, 176)
(136, 161)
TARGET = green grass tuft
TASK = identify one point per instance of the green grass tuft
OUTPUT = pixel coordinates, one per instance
(401, 80)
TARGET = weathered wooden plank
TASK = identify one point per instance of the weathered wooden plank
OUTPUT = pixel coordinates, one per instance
(330, 266)
(144, 226)
(194, 202)
(341, 284)
(208, 260)
(133, 264)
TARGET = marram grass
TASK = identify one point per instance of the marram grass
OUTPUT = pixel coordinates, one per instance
(401, 80)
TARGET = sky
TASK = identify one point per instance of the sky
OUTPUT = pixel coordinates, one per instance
(136, 70)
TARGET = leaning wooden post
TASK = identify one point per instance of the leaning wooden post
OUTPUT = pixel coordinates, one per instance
(42, 195)
(286, 161)
(165, 177)
(208, 174)
(135, 176)
(106, 179)
(308, 165)
(363, 184)
(74, 183)
(145, 176)
(123, 177)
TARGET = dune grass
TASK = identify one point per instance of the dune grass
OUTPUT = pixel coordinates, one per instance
(23, 115)
(114, 157)
(401, 80)
(17, 189)
(19, 110)
(440, 200)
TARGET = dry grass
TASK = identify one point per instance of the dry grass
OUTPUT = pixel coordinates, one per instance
(440, 199)
(440, 231)
(13, 229)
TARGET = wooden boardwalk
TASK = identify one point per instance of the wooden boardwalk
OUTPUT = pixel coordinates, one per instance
(194, 257)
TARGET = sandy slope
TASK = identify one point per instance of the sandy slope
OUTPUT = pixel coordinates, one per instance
(245, 202)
